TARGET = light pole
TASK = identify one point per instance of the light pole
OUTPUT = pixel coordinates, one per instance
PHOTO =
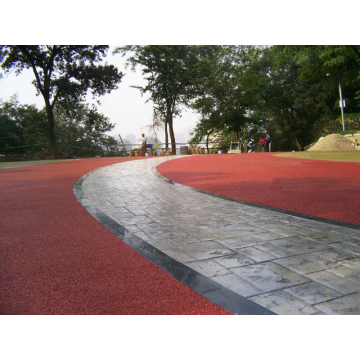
(342, 107)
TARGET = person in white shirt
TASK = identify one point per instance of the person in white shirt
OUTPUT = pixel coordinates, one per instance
(143, 147)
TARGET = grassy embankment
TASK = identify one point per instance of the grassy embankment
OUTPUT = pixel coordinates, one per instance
(9, 165)
(351, 156)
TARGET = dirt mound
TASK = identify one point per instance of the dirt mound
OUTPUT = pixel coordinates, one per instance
(331, 143)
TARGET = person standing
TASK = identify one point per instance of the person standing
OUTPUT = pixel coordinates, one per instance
(268, 142)
(143, 146)
(250, 145)
(262, 142)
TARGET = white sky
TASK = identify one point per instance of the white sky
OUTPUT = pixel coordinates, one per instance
(124, 107)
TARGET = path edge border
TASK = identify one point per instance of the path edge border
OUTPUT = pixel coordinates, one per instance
(212, 291)
(265, 207)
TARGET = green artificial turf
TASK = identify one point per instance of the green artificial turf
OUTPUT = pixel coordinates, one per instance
(9, 165)
(351, 156)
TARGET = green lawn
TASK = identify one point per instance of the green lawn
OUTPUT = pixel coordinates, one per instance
(352, 156)
(9, 165)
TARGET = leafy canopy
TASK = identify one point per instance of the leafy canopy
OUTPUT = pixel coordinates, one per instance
(173, 74)
(63, 73)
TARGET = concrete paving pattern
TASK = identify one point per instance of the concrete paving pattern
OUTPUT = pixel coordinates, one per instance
(285, 263)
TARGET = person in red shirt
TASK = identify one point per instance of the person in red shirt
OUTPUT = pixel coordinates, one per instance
(262, 143)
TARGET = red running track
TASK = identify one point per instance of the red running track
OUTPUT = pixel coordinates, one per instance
(57, 259)
(326, 189)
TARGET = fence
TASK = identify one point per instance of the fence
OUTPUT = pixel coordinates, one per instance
(128, 147)
(162, 146)
(47, 144)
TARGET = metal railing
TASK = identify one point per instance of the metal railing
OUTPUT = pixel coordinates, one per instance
(162, 146)
(128, 147)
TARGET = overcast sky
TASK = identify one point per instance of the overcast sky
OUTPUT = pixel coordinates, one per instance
(124, 107)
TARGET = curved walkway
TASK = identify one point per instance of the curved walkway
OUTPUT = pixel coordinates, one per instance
(247, 258)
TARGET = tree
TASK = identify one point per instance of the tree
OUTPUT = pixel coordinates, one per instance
(226, 94)
(292, 91)
(289, 106)
(62, 73)
(173, 73)
(158, 123)
(251, 89)
(17, 122)
(332, 64)
(81, 128)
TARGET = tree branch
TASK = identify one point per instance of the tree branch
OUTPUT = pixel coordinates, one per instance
(32, 63)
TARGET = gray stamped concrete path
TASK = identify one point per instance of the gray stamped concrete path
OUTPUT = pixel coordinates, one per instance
(287, 264)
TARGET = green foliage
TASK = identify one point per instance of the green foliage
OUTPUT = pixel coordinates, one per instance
(81, 129)
(16, 122)
(349, 132)
(289, 107)
(63, 73)
(333, 64)
(173, 73)
(291, 91)
(224, 142)
(226, 94)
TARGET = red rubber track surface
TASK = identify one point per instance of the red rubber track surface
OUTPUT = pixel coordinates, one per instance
(327, 189)
(57, 259)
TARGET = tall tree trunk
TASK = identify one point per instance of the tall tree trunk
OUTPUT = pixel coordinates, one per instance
(172, 137)
(207, 139)
(166, 135)
(169, 120)
(50, 116)
(297, 143)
